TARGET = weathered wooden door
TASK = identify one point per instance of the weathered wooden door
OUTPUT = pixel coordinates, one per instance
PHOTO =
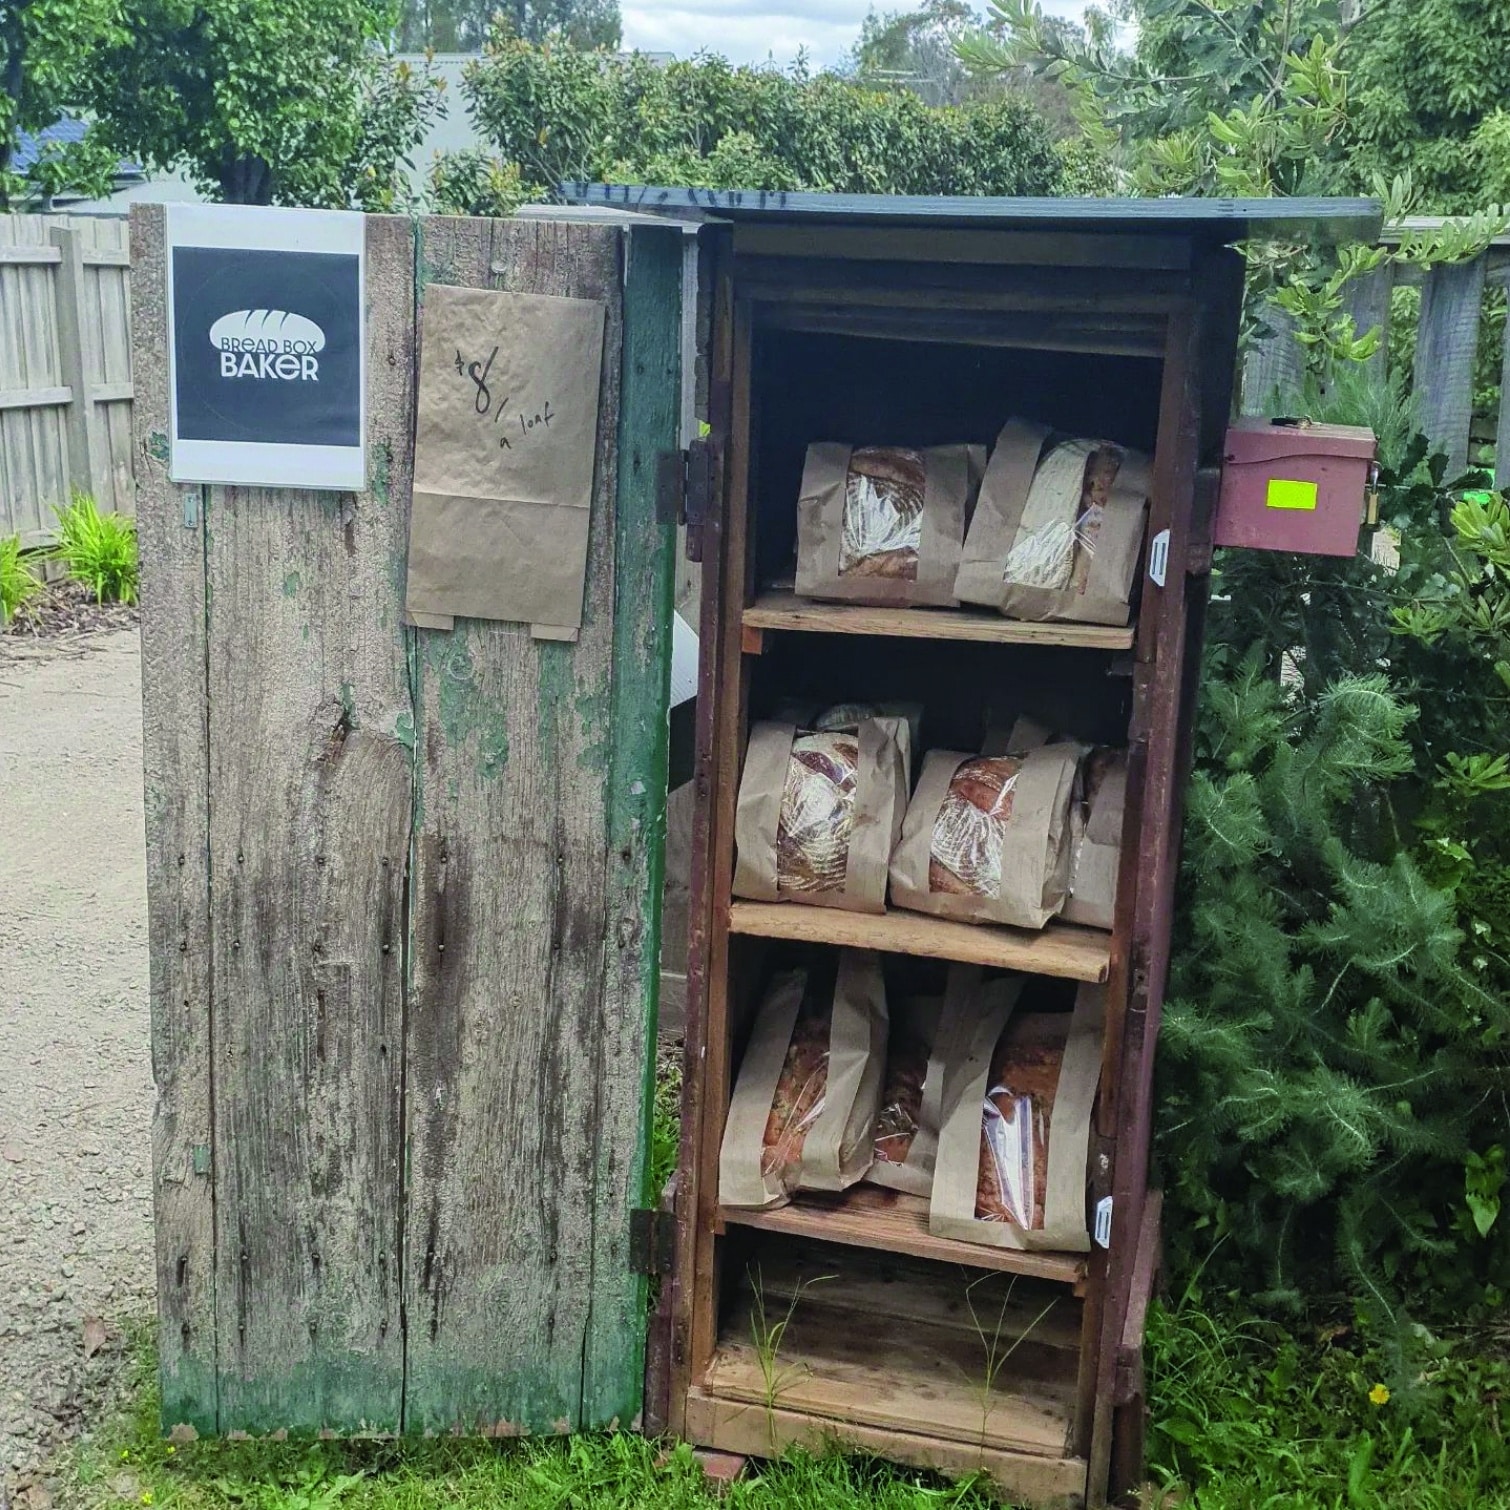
(404, 903)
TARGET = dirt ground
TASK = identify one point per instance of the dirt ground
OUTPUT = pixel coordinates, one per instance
(75, 1072)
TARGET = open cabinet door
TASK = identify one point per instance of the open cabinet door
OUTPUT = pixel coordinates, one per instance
(404, 893)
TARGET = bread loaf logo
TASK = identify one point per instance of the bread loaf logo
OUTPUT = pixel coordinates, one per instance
(268, 343)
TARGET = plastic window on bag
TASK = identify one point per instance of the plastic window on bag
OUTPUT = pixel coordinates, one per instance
(817, 813)
(800, 1095)
(968, 834)
(901, 1098)
(883, 514)
(1014, 1152)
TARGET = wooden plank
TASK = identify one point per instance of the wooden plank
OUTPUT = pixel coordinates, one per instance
(509, 1088)
(1502, 425)
(35, 398)
(753, 1430)
(784, 610)
(311, 790)
(890, 1221)
(895, 1376)
(1103, 335)
(1274, 370)
(109, 393)
(856, 1283)
(29, 256)
(100, 256)
(1061, 949)
(72, 329)
(1366, 299)
(912, 244)
(691, 1277)
(644, 573)
(175, 770)
(1446, 348)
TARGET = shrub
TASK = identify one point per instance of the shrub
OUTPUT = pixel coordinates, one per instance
(18, 583)
(562, 114)
(98, 549)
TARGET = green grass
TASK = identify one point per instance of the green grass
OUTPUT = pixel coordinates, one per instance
(126, 1463)
(18, 583)
(98, 549)
(1249, 1416)
(1246, 1417)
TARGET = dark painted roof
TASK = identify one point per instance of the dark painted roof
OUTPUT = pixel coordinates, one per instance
(1215, 220)
(63, 131)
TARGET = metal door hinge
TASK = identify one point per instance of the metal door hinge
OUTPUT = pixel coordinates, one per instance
(683, 488)
(652, 1241)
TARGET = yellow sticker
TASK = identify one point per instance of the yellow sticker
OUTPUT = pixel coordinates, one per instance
(1291, 495)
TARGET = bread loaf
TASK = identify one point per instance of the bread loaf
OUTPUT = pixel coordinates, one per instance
(901, 1096)
(799, 1097)
(1014, 1135)
(817, 813)
(965, 852)
(1100, 473)
(883, 514)
(1043, 553)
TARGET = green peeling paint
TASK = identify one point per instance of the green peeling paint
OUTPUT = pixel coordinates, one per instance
(403, 729)
(348, 696)
(291, 584)
(157, 447)
(467, 714)
(382, 471)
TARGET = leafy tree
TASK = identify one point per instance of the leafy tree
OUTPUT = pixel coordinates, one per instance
(44, 47)
(1334, 1063)
(263, 102)
(562, 114)
(1429, 88)
(464, 25)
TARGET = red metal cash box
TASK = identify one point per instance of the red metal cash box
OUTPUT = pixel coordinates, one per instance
(1290, 485)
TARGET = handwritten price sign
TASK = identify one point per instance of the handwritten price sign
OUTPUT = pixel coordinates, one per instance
(482, 399)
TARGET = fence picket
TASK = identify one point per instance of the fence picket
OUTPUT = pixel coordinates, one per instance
(1446, 343)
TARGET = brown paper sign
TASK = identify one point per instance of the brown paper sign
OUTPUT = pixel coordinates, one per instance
(504, 448)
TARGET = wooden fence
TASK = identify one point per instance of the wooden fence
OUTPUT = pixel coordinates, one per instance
(65, 368)
(1446, 350)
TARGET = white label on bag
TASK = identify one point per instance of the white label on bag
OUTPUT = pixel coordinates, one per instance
(1104, 1213)
(1158, 557)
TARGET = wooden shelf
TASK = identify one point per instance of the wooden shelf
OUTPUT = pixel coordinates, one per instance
(866, 1216)
(896, 1377)
(1061, 949)
(784, 610)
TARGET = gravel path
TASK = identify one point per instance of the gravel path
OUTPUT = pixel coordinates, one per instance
(75, 1072)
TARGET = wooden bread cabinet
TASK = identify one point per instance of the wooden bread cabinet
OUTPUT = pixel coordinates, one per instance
(919, 323)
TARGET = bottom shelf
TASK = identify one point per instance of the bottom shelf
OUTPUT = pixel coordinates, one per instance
(894, 1375)
(1020, 1478)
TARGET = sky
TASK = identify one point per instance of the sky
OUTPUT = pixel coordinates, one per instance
(750, 31)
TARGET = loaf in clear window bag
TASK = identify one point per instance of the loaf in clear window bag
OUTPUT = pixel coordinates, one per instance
(986, 837)
(1019, 1088)
(1057, 532)
(818, 812)
(803, 1111)
(884, 524)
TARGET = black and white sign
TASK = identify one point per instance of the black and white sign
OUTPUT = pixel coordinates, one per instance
(268, 354)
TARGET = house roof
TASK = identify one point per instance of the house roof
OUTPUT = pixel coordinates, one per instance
(1213, 220)
(63, 132)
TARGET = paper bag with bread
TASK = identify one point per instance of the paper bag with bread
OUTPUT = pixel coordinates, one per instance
(884, 524)
(1057, 532)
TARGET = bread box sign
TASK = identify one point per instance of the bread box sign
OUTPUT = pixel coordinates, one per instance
(1291, 485)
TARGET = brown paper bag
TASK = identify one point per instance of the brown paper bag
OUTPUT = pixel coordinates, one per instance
(1056, 535)
(1096, 840)
(505, 442)
(809, 1086)
(907, 1125)
(882, 524)
(986, 838)
(1015, 1130)
(818, 814)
